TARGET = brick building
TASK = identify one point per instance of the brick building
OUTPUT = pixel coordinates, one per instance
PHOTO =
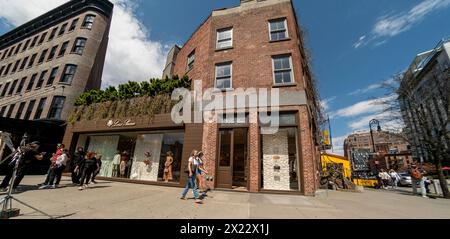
(257, 44)
(242, 47)
(46, 63)
(392, 150)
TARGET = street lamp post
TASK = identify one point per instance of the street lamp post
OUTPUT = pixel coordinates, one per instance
(372, 123)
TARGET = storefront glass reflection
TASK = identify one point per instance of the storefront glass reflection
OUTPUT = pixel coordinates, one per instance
(153, 157)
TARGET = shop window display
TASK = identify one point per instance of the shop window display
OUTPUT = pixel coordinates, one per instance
(172, 145)
(280, 160)
(147, 157)
(102, 145)
(150, 157)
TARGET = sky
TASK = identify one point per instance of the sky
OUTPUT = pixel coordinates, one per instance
(355, 45)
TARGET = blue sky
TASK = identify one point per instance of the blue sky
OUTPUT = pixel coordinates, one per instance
(355, 44)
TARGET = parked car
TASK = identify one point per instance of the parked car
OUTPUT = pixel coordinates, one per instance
(405, 180)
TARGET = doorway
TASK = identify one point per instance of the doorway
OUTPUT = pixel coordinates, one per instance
(233, 161)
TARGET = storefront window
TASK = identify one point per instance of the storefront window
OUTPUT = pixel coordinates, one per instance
(171, 156)
(280, 168)
(106, 146)
(138, 156)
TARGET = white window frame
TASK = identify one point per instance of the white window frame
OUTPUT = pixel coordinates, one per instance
(231, 75)
(285, 27)
(217, 37)
(194, 53)
(292, 70)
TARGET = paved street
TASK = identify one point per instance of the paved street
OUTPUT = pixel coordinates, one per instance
(113, 200)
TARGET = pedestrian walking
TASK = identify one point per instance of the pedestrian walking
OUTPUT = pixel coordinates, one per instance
(53, 159)
(31, 153)
(395, 178)
(385, 179)
(77, 159)
(417, 178)
(98, 157)
(87, 168)
(201, 173)
(57, 171)
(192, 170)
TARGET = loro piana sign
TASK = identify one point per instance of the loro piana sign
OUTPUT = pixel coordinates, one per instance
(120, 123)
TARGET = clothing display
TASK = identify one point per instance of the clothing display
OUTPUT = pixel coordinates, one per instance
(107, 147)
(115, 165)
(147, 145)
(122, 168)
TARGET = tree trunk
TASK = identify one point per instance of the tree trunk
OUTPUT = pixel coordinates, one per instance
(443, 180)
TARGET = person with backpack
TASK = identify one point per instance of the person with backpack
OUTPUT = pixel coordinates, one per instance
(418, 178)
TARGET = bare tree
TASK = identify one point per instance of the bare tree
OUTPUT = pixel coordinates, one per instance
(433, 136)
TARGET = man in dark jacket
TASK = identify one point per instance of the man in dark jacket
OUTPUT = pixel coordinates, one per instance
(77, 160)
(30, 153)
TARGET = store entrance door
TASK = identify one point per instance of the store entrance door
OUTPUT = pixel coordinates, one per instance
(233, 169)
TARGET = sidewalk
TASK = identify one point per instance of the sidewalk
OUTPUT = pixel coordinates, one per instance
(112, 200)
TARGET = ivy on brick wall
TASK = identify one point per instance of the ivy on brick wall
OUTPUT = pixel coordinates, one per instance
(133, 99)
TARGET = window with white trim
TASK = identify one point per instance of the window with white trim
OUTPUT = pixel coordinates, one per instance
(224, 38)
(224, 76)
(278, 29)
(282, 70)
(191, 60)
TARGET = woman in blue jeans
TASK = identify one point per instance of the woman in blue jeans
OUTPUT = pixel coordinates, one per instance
(191, 183)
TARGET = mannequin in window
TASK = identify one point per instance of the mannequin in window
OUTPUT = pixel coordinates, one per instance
(116, 164)
(123, 164)
(168, 165)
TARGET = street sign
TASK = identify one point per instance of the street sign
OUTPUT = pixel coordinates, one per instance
(326, 138)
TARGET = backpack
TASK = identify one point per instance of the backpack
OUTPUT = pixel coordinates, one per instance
(416, 174)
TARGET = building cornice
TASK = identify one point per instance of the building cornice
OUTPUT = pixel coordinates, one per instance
(53, 17)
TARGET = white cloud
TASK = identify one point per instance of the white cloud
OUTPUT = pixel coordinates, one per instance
(338, 145)
(360, 42)
(393, 24)
(326, 103)
(131, 55)
(389, 121)
(372, 87)
(362, 108)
